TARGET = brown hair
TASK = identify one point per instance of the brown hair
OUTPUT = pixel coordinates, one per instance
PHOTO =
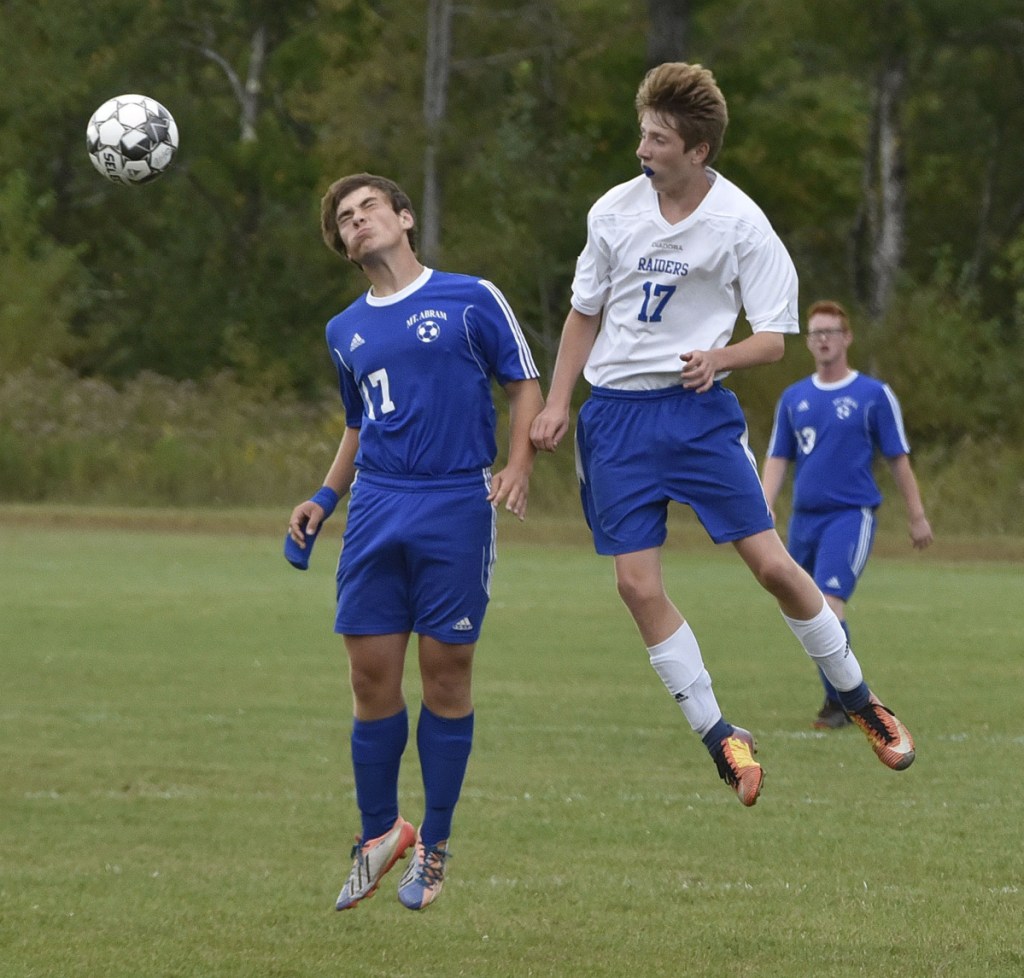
(688, 97)
(829, 307)
(340, 189)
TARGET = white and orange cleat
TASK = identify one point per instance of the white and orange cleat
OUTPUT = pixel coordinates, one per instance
(372, 860)
(423, 878)
(888, 737)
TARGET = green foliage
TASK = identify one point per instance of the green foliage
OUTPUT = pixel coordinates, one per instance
(41, 282)
(953, 371)
(1011, 273)
(177, 799)
(219, 266)
(982, 477)
(154, 441)
(794, 146)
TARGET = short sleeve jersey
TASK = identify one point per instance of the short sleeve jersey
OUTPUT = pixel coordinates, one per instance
(415, 372)
(664, 289)
(831, 432)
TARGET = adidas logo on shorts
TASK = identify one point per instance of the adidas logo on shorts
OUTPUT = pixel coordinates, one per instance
(463, 625)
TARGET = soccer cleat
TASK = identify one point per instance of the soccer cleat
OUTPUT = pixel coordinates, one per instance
(737, 767)
(888, 737)
(424, 876)
(372, 860)
(831, 716)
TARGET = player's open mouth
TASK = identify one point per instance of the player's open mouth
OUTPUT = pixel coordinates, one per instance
(648, 172)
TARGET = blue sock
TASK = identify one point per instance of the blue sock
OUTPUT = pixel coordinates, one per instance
(714, 737)
(444, 747)
(853, 699)
(377, 747)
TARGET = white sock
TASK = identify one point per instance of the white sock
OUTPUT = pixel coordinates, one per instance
(825, 642)
(678, 661)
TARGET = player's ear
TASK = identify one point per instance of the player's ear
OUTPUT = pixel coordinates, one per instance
(405, 219)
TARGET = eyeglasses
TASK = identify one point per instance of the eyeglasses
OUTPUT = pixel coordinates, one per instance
(824, 334)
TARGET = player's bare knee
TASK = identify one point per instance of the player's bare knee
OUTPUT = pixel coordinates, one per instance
(447, 695)
(373, 693)
(447, 679)
(638, 593)
(777, 575)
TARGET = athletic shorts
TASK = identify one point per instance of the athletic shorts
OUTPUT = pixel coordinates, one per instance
(637, 450)
(417, 557)
(833, 547)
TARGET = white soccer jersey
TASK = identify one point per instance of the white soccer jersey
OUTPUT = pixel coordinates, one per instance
(666, 289)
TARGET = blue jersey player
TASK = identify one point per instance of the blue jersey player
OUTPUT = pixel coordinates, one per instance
(831, 425)
(671, 258)
(416, 356)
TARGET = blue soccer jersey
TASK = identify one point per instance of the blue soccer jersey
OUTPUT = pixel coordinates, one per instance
(831, 432)
(415, 372)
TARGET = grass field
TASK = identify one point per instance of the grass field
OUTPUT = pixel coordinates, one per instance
(176, 797)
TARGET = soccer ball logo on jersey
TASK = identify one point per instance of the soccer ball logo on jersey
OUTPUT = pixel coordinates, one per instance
(428, 331)
(427, 323)
(845, 406)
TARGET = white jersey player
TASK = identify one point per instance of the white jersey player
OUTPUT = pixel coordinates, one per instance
(664, 287)
(670, 260)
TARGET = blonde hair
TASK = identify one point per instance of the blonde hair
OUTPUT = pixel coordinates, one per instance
(688, 97)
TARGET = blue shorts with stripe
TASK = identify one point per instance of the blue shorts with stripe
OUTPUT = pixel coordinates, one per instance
(833, 547)
(417, 556)
(638, 450)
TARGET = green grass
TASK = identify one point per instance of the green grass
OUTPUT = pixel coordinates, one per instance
(176, 798)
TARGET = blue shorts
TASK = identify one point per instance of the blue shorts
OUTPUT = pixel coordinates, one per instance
(417, 557)
(833, 547)
(637, 450)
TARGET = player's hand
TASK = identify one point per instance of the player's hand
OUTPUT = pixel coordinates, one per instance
(920, 533)
(698, 370)
(548, 429)
(305, 518)
(511, 487)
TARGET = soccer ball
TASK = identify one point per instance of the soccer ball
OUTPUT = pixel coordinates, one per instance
(131, 139)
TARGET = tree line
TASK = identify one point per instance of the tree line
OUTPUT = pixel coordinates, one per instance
(881, 137)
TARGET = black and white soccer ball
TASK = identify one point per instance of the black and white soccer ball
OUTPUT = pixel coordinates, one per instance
(131, 139)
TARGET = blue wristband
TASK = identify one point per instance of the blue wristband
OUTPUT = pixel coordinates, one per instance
(299, 556)
(326, 498)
